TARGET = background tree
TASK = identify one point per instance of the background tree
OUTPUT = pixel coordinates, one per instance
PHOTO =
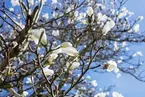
(48, 47)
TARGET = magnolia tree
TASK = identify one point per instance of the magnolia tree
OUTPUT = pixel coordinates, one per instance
(47, 47)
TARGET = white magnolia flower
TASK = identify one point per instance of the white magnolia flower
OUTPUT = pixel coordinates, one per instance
(55, 32)
(118, 75)
(119, 61)
(80, 16)
(127, 49)
(75, 65)
(90, 11)
(112, 11)
(71, 51)
(88, 77)
(124, 44)
(29, 80)
(116, 94)
(130, 14)
(76, 14)
(134, 55)
(116, 47)
(136, 28)
(84, 22)
(11, 9)
(47, 71)
(124, 9)
(31, 2)
(112, 66)
(36, 33)
(123, 13)
(131, 67)
(101, 95)
(25, 93)
(55, 14)
(108, 26)
(52, 57)
(101, 17)
(140, 18)
(15, 3)
(94, 83)
(139, 53)
(66, 48)
(66, 44)
(45, 16)
(54, 1)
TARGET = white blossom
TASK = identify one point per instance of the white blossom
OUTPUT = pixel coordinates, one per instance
(130, 14)
(66, 48)
(124, 44)
(76, 14)
(54, 1)
(81, 15)
(84, 22)
(121, 57)
(66, 44)
(90, 11)
(127, 49)
(55, 32)
(108, 26)
(101, 95)
(119, 61)
(123, 12)
(29, 80)
(140, 18)
(36, 33)
(101, 17)
(94, 83)
(15, 3)
(118, 75)
(88, 77)
(139, 53)
(131, 67)
(70, 51)
(31, 2)
(25, 93)
(136, 28)
(134, 55)
(55, 14)
(112, 66)
(45, 16)
(48, 71)
(116, 94)
(11, 9)
(52, 57)
(75, 65)
(130, 30)
(112, 11)
(123, 9)
(116, 47)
